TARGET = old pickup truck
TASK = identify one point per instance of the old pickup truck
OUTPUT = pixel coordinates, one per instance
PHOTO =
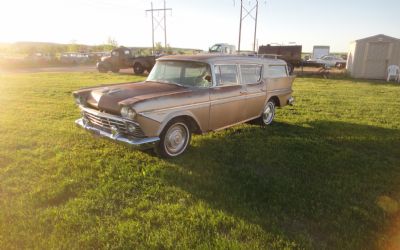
(122, 58)
(185, 95)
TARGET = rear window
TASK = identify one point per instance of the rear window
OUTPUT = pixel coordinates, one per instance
(250, 73)
(276, 71)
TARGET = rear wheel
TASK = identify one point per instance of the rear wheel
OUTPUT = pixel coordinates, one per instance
(102, 68)
(268, 114)
(138, 68)
(290, 68)
(340, 65)
(174, 139)
(115, 70)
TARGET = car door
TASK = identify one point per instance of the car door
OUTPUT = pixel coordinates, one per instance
(227, 97)
(125, 56)
(251, 79)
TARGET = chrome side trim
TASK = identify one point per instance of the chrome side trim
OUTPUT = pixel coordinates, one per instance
(256, 94)
(202, 104)
(136, 142)
(183, 107)
(279, 90)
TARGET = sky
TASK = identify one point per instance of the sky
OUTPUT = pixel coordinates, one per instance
(199, 23)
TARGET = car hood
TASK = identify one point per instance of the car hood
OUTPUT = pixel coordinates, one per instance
(112, 98)
(105, 58)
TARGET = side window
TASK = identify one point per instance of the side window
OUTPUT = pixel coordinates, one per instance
(127, 52)
(199, 76)
(250, 73)
(275, 71)
(226, 75)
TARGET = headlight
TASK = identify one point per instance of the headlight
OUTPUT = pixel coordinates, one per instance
(79, 100)
(127, 112)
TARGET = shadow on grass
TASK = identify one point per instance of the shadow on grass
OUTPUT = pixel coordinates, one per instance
(316, 184)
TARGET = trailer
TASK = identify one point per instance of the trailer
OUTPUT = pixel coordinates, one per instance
(289, 53)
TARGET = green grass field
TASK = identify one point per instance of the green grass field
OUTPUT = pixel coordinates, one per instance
(325, 175)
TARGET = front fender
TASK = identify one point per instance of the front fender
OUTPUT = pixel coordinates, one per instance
(164, 117)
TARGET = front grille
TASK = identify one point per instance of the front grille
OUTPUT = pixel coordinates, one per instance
(105, 123)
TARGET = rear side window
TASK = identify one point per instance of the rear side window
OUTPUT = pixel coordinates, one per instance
(250, 73)
(226, 75)
(275, 71)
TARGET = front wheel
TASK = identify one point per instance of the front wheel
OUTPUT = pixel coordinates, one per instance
(268, 114)
(174, 139)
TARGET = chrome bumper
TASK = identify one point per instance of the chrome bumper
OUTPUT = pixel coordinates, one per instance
(142, 143)
(290, 100)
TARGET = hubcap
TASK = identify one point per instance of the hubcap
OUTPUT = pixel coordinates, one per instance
(269, 113)
(176, 139)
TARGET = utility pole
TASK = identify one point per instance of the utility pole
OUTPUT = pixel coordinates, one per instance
(165, 25)
(158, 22)
(152, 28)
(254, 16)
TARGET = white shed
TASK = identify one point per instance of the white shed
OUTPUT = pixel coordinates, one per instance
(370, 57)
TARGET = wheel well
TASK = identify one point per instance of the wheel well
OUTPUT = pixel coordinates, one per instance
(276, 101)
(137, 63)
(193, 126)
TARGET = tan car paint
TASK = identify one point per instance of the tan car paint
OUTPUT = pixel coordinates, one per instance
(211, 108)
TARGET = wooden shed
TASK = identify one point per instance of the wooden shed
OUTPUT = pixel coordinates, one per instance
(370, 57)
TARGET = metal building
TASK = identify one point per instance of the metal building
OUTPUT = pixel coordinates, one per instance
(370, 57)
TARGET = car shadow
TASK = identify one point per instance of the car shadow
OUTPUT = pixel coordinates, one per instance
(320, 180)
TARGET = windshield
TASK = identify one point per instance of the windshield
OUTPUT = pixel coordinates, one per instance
(216, 48)
(189, 74)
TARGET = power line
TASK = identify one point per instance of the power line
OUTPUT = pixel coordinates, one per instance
(159, 22)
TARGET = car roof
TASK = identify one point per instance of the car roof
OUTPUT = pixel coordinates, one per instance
(218, 58)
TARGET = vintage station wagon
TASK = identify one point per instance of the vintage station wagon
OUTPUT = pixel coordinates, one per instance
(184, 95)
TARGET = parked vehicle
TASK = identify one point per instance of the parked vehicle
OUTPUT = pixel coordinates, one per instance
(290, 53)
(320, 51)
(185, 95)
(329, 61)
(223, 48)
(74, 58)
(122, 58)
(40, 57)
